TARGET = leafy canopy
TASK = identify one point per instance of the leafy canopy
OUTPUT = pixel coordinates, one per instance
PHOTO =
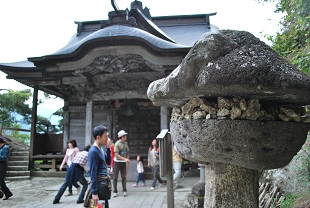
(293, 41)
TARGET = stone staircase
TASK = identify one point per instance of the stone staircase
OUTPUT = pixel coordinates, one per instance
(18, 163)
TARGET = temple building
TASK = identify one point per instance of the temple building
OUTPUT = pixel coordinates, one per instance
(103, 73)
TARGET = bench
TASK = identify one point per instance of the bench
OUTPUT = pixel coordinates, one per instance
(50, 161)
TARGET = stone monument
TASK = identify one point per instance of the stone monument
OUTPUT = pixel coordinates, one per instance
(237, 107)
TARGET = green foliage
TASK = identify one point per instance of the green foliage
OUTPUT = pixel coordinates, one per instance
(304, 157)
(288, 202)
(24, 137)
(293, 41)
(13, 103)
(44, 126)
(15, 111)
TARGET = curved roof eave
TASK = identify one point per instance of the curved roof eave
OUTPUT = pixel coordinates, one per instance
(115, 32)
(20, 64)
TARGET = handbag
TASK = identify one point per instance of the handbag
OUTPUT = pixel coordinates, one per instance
(104, 187)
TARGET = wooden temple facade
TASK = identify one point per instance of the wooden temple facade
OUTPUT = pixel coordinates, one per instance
(103, 73)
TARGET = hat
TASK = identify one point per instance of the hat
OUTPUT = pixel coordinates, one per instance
(121, 133)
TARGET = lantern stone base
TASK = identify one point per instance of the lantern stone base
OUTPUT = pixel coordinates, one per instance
(230, 186)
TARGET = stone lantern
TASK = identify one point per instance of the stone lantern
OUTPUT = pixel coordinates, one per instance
(237, 107)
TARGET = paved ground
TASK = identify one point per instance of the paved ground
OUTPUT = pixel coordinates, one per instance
(40, 192)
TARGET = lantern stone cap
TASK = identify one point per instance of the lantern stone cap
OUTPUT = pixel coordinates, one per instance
(232, 63)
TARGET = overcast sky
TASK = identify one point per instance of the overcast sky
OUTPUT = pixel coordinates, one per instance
(31, 28)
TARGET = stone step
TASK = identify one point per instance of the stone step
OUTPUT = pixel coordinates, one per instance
(60, 174)
(19, 158)
(18, 178)
(18, 163)
(20, 153)
(18, 173)
(18, 168)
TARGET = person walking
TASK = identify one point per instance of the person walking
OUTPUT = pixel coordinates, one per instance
(177, 165)
(99, 156)
(4, 156)
(140, 170)
(71, 151)
(74, 174)
(153, 162)
(112, 157)
(121, 161)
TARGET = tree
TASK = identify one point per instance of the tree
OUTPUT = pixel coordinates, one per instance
(13, 105)
(293, 41)
(15, 112)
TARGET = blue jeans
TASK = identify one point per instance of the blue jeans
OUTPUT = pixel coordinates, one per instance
(140, 177)
(156, 176)
(78, 175)
(73, 172)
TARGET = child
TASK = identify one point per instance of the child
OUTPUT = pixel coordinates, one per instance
(140, 170)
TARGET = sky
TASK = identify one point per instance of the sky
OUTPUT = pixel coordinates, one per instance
(34, 28)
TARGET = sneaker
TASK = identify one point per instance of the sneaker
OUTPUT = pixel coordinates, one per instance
(78, 189)
(152, 189)
(7, 197)
(124, 194)
(178, 186)
(68, 194)
(114, 195)
(55, 201)
(80, 201)
(135, 185)
(159, 185)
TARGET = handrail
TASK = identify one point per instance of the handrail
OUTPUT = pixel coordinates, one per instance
(11, 128)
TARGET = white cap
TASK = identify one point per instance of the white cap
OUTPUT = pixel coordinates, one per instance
(121, 133)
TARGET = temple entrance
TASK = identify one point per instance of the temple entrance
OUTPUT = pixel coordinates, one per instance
(142, 128)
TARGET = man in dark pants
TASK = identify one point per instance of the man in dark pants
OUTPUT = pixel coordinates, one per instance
(121, 161)
(75, 174)
(4, 155)
(98, 159)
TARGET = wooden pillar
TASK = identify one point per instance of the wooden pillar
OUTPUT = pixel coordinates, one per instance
(66, 128)
(89, 121)
(33, 124)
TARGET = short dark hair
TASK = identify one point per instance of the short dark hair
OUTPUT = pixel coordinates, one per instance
(73, 142)
(99, 130)
(2, 140)
(87, 148)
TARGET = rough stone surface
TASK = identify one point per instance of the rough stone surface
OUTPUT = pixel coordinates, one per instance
(232, 63)
(193, 201)
(293, 178)
(199, 189)
(230, 186)
(250, 144)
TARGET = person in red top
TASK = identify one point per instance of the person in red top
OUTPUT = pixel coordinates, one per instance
(112, 155)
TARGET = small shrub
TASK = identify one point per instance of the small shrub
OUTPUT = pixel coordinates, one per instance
(288, 202)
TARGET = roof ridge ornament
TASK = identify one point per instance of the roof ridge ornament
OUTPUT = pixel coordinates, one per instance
(115, 7)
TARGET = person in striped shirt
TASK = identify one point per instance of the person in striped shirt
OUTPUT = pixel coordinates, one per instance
(76, 173)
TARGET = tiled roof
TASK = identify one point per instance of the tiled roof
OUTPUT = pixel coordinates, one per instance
(120, 31)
